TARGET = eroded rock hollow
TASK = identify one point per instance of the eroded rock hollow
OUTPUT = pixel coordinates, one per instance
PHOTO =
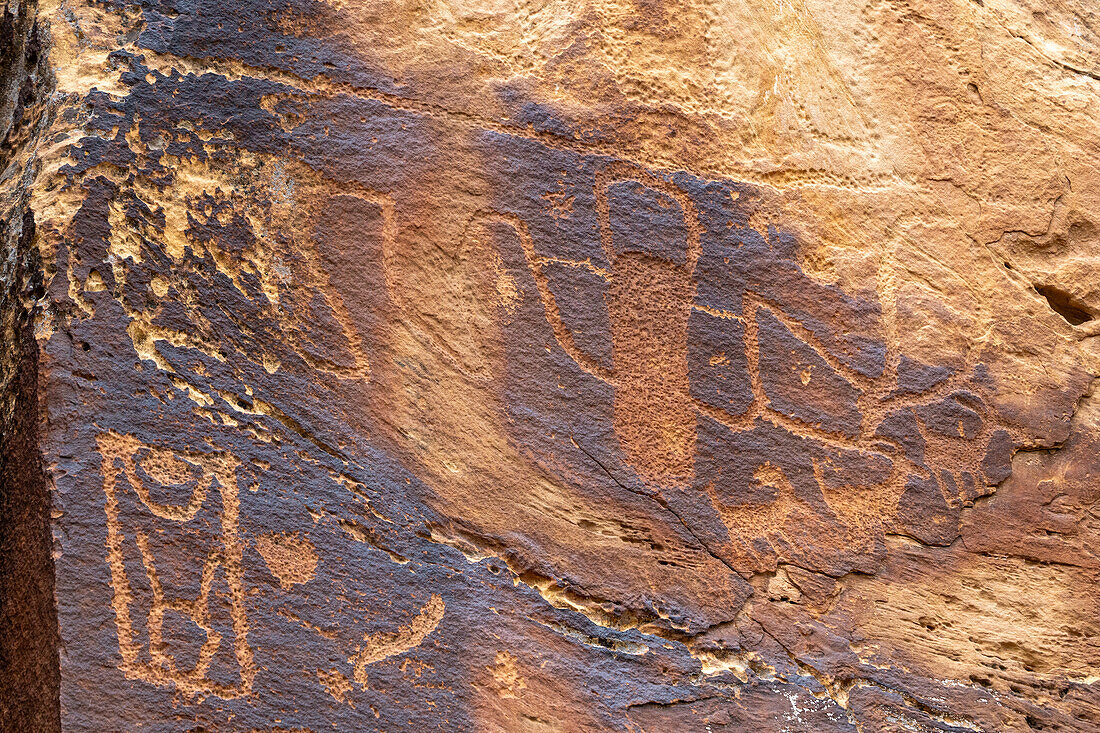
(557, 365)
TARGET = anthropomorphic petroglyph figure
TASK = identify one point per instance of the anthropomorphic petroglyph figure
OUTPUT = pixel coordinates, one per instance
(157, 499)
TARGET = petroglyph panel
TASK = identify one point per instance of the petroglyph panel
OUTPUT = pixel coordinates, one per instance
(568, 366)
(737, 399)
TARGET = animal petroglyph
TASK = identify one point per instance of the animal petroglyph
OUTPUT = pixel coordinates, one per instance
(208, 482)
(699, 386)
(378, 647)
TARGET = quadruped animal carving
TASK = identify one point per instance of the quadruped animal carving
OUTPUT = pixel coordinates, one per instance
(695, 385)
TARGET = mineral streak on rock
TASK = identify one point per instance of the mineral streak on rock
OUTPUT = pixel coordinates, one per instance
(578, 365)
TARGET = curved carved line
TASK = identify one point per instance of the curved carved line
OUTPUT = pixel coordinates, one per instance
(562, 334)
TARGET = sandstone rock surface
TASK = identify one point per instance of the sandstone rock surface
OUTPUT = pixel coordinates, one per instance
(558, 365)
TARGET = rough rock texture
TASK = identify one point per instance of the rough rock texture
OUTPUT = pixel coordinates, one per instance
(28, 620)
(576, 365)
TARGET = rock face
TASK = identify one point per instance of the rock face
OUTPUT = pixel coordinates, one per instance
(575, 365)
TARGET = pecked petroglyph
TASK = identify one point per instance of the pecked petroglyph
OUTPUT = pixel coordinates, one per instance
(128, 459)
(695, 378)
(290, 558)
(689, 378)
(379, 647)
